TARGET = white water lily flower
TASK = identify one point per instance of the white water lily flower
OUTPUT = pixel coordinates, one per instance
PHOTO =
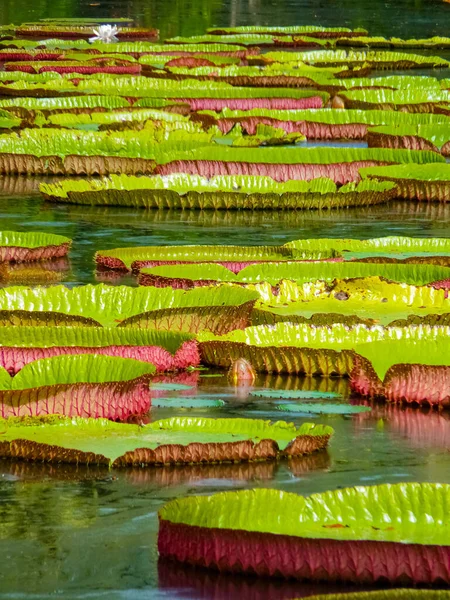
(106, 34)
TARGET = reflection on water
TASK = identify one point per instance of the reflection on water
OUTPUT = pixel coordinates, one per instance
(419, 427)
(202, 583)
(99, 228)
(163, 476)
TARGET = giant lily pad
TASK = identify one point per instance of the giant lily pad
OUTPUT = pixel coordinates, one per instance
(218, 319)
(415, 371)
(75, 104)
(50, 30)
(166, 350)
(385, 249)
(304, 349)
(238, 39)
(137, 258)
(417, 137)
(87, 385)
(176, 440)
(316, 31)
(221, 192)
(23, 247)
(89, 67)
(135, 49)
(114, 305)
(341, 165)
(182, 60)
(84, 21)
(374, 59)
(413, 99)
(254, 76)
(416, 182)
(103, 120)
(381, 42)
(369, 300)
(362, 526)
(389, 245)
(199, 94)
(63, 151)
(318, 124)
(205, 274)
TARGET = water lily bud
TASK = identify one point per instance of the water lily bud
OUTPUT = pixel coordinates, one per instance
(242, 371)
(337, 102)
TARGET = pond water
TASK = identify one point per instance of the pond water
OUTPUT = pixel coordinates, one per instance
(91, 533)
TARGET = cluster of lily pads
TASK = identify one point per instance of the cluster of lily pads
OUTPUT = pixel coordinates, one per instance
(185, 124)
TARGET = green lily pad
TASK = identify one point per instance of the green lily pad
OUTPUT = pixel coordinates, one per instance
(170, 387)
(329, 409)
(293, 394)
(187, 403)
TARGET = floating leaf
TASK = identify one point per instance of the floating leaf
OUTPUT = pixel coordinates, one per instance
(273, 393)
(375, 59)
(23, 247)
(87, 385)
(312, 30)
(187, 402)
(360, 524)
(169, 387)
(305, 349)
(220, 192)
(319, 408)
(112, 305)
(299, 272)
(167, 350)
(175, 440)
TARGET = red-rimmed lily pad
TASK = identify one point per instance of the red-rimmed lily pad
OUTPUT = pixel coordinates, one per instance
(255, 39)
(104, 65)
(413, 137)
(48, 30)
(189, 276)
(415, 371)
(17, 246)
(365, 534)
(339, 164)
(87, 385)
(232, 257)
(20, 345)
(413, 99)
(322, 124)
